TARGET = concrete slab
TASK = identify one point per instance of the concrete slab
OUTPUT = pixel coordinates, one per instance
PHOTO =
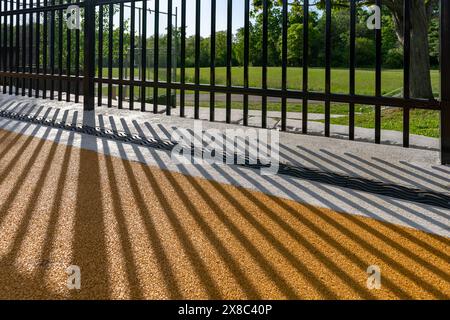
(411, 167)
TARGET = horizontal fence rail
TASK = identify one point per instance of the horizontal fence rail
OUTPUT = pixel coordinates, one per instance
(111, 58)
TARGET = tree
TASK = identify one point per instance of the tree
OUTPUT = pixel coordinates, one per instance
(422, 12)
(221, 48)
(421, 15)
(295, 44)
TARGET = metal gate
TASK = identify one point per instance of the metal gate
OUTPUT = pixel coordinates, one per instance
(35, 61)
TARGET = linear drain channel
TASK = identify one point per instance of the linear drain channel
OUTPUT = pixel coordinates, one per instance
(356, 183)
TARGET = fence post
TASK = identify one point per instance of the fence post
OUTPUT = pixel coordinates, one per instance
(89, 55)
(445, 82)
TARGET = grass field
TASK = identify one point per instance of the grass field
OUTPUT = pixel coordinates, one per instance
(392, 80)
(423, 122)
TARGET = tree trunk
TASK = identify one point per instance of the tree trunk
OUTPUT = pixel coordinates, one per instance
(420, 52)
(421, 10)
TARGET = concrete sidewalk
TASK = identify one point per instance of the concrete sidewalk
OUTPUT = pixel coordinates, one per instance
(415, 167)
(387, 162)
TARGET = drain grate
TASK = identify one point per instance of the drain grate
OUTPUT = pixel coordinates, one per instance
(371, 186)
(355, 183)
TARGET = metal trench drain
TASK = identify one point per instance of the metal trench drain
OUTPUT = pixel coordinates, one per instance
(355, 183)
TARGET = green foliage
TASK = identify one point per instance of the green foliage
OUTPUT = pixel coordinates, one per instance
(340, 39)
(394, 58)
(434, 42)
(295, 44)
(392, 53)
(366, 52)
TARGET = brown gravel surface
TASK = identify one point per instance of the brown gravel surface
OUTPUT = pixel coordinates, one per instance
(141, 232)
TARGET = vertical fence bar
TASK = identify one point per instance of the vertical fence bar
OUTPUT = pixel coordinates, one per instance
(169, 59)
(89, 55)
(24, 44)
(176, 50)
(6, 47)
(38, 40)
(132, 51)
(229, 57)
(110, 52)
(212, 75)
(30, 51)
(13, 56)
(156, 59)
(406, 68)
(8, 28)
(197, 59)
(100, 56)
(183, 57)
(14, 26)
(445, 82)
(52, 51)
(11, 46)
(45, 51)
(327, 67)
(60, 51)
(5, 44)
(2, 44)
(17, 58)
(284, 53)
(351, 124)
(68, 58)
(305, 66)
(2, 48)
(378, 43)
(9, 49)
(121, 31)
(246, 56)
(144, 55)
(5, 39)
(5, 36)
(77, 64)
(264, 61)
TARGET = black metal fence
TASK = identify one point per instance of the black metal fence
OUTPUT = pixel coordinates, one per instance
(40, 57)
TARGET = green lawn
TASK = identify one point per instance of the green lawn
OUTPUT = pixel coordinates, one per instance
(423, 122)
(392, 80)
